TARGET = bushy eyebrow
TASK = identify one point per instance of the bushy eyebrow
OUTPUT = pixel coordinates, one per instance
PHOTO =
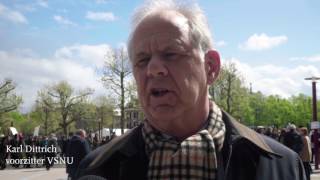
(175, 48)
(175, 45)
(171, 45)
(139, 55)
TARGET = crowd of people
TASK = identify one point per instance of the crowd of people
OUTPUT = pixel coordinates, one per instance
(18, 141)
(60, 143)
(78, 145)
(297, 139)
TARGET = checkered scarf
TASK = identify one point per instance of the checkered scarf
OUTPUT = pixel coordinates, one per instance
(193, 158)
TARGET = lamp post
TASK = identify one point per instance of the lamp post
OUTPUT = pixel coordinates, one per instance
(99, 130)
(314, 117)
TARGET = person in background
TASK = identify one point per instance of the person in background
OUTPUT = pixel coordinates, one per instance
(185, 134)
(95, 142)
(89, 139)
(283, 131)
(77, 149)
(275, 133)
(305, 153)
(260, 130)
(315, 138)
(52, 142)
(292, 139)
(16, 142)
(4, 141)
(268, 132)
(29, 155)
(37, 143)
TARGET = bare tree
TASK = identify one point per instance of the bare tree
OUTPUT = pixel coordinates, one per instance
(64, 99)
(231, 77)
(117, 70)
(8, 100)
(46, 105)
(104, 112)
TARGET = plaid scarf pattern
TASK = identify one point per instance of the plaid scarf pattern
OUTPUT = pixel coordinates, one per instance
(192, 158)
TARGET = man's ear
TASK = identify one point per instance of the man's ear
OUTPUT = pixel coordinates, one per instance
(212, 65)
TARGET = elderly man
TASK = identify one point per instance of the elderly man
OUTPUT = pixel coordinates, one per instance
(185, 135)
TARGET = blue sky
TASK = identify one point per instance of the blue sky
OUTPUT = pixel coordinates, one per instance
(275, 44)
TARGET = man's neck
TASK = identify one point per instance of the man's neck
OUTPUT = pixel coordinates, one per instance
(193, 121)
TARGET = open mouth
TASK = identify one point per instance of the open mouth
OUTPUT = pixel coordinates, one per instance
(158, 92)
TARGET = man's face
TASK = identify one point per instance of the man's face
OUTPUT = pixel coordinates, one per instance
(170, 73)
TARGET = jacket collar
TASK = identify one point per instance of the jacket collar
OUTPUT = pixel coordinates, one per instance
(129, 145)
(236, 130)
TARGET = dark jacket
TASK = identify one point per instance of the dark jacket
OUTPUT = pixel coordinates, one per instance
(293, 140)
(77, 148)
(246, 155)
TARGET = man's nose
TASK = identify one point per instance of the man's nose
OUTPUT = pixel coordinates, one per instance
(157, 67)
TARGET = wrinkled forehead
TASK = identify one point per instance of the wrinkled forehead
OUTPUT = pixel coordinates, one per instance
(168, 19)
(167, 24)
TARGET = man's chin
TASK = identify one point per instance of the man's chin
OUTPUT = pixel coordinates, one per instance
(162, 116)
(165, 126)
(163, 113)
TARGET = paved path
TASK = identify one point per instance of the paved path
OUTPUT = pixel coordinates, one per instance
(316, 174)
(33, 174)
(60, 174)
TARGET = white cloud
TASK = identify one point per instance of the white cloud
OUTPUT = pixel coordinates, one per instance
(11, 15)
(100, 16)
(42, 3)
(101, 1)
(29, 6)
(76, 64)
(271, 79)
(62, 11)
(221, 43)
(85, 54)
(63, 20)
(262, 41)
(25, 7)
(315, 58)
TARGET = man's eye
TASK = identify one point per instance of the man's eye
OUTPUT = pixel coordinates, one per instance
(170, 55)
(142, 61)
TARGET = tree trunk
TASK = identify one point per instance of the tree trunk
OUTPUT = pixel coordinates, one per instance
(122, 102)
(64, 124)
(229, 94)
(46, 121)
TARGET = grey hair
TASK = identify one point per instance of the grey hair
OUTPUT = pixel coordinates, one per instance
(80, 132)
(199, 30)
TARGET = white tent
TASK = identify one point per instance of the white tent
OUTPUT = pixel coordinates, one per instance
(13, 130)
(36, 131)
(105, 132)
(118, 131)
